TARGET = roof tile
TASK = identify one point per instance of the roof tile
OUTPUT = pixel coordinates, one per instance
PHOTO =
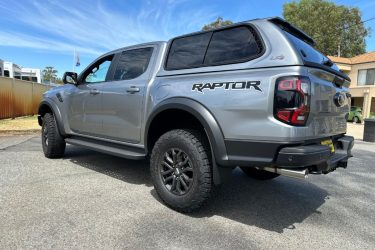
(364, 58)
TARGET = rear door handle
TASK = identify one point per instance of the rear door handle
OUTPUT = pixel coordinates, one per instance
(94, 92)
(132, 89)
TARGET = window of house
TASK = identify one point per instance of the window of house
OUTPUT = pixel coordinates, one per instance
(6, 73)
(366, 77)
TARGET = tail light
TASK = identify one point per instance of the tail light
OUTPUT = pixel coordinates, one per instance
(292, 100)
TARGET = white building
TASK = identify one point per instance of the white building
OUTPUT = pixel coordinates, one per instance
(12, 70)
(33, 75)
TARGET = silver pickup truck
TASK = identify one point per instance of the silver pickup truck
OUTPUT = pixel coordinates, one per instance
(255, 94)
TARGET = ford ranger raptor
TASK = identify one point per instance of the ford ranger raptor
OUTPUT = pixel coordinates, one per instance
(256, 95)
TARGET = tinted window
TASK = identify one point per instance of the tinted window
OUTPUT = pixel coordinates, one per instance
(188, 52)
(308, 52)
(98, 72)
(232, 45)
(132, 63)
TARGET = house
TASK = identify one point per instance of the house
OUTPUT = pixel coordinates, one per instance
(361, 70)
(30, 74)
(12, 70)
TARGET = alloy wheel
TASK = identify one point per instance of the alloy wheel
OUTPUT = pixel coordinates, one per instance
(176, 171)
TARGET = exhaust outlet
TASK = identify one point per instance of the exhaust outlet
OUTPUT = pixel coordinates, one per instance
(299, 174)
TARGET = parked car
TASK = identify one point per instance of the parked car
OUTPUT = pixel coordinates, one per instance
(256, 94)
(355, 115)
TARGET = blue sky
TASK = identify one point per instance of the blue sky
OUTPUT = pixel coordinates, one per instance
(45, 33)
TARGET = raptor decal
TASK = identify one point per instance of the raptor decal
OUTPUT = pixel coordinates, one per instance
(200, 87)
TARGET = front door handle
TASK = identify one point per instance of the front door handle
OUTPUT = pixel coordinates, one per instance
(132, 89)
(94, 92)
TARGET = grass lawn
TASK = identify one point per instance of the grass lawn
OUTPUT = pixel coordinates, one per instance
(19, 125)
(30, 124)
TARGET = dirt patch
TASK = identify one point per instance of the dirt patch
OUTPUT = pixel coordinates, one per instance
(21, 125)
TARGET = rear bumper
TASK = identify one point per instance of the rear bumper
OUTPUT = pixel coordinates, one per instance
(318, 158)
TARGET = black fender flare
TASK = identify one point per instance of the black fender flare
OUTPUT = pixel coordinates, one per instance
(210, 125)
(56, 112)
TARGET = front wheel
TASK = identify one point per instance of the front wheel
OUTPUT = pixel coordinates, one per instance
(258, 174)
(181, 170)
(52, 142)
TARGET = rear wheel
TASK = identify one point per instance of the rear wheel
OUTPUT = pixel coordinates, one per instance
(52, 142)
(181, 170)
(258, 174)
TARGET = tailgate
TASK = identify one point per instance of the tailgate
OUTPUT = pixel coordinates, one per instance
(330, 103)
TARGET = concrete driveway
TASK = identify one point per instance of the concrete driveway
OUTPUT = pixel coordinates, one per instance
(90, 200)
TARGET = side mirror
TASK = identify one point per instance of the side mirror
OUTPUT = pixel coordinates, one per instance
(70, 78)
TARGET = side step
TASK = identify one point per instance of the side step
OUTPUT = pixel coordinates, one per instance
(108, 148)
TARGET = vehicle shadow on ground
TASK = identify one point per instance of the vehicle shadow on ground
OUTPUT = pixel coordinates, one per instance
(130, 171)
(274, 205)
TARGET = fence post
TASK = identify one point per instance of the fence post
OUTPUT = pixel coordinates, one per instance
(32, 98)
(13, 100)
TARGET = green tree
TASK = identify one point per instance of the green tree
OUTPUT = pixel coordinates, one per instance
(219, 22)
(337, 29)
(58, 80)
(49, 74)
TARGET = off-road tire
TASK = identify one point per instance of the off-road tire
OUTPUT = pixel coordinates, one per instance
(259, 174)
(194, 147)
(52, 142)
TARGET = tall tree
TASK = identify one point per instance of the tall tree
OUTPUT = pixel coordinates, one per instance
(219, 22)
(49, 74)
(337, 29)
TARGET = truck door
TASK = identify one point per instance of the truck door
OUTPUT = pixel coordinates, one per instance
(85, 101)
(123, 95)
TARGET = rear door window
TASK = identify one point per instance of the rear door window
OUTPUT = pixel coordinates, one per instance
(132, 63)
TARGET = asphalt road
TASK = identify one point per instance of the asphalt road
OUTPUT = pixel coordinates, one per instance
(90, 200)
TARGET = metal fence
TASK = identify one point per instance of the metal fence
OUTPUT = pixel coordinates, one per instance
(20, 98)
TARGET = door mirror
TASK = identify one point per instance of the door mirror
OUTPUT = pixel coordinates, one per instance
(70, 78)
